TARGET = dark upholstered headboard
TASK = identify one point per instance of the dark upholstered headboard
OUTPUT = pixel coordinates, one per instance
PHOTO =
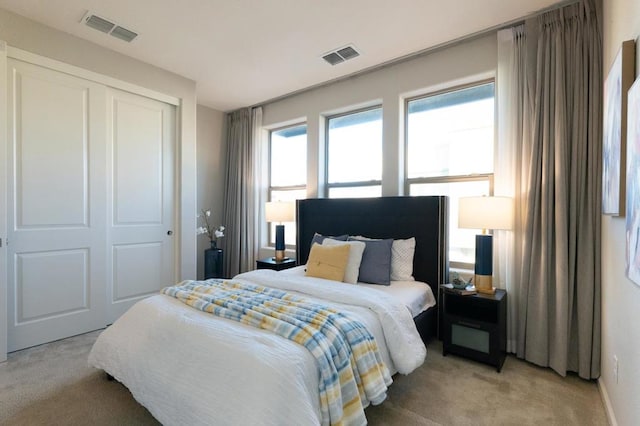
(424, 218)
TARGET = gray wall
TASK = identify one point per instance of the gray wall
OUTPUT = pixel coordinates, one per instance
(211, 171)
(202, 177)
(36, 38)
(459, 64)
(463, 63)
(620, 296)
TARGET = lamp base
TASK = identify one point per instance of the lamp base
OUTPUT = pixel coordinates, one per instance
(279, 256)
(484, 284)
(281, 260)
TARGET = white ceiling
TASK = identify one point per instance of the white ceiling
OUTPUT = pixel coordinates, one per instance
(244, 52)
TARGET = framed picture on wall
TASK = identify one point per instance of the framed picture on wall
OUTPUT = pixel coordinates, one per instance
(633, 184)
(616, 85)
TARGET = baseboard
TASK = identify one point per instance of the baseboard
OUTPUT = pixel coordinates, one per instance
(607, 403)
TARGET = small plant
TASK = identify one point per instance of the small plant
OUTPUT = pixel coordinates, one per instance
(212, 232)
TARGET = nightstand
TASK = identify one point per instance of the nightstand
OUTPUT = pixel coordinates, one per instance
(271, 263)
(475, 326)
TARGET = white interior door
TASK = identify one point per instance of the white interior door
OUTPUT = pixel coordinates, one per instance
(56, 205)
(140, 219)
(3, 201)
(90, 203)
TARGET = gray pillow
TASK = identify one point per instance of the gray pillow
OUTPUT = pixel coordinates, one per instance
(375, 267)
(318, 238)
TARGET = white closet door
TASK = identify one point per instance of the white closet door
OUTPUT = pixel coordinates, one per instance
(141, 143)
(90, 203)
(56, 205)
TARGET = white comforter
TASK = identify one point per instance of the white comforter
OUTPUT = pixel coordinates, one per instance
(191, 368)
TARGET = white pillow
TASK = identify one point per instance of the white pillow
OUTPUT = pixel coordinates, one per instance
(402, 252)
(355, 257)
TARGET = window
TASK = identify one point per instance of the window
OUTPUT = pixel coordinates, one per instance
(354, 154)
(450, 139)
(287, 171)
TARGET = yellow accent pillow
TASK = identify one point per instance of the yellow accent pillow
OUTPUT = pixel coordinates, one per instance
(328, 262)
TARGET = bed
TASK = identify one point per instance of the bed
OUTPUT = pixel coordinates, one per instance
(189, 367)
(425, 218)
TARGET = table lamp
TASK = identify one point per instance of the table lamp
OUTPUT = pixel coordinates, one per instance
(485, 213)
(279, 212)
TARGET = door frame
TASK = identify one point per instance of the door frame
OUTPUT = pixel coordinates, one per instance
(184, 160)
(4, 308)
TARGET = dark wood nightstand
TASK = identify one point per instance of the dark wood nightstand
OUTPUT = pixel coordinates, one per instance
(271, 263)
(475, 326)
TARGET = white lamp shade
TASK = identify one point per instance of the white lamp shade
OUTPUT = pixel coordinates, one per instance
(485, 212)
(280, 211)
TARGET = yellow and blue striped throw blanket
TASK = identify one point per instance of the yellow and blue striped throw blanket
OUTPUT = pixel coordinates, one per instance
(351, 369)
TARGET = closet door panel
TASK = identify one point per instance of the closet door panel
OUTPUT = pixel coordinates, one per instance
(141, 225)
(137, 270)
(56, 254)
(65, 289)
(138, 152)
(90, 203)
(53, 143)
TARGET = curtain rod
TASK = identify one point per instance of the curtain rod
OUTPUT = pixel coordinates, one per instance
(420, 53)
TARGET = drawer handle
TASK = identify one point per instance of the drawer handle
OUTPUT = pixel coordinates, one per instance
(469, 324)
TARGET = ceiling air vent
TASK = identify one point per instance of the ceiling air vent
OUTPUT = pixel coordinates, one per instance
(123, 34)
(106, 26)
(340, 55)
(348, 53)
(97, 23)
(333, 58)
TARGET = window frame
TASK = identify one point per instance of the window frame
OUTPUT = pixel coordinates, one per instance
(271, 188)
(353, 184)
(472, 177)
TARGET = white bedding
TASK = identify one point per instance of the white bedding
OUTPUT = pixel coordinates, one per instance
(415, 295)
(189, 367)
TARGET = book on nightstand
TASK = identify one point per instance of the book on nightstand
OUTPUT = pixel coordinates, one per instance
(466, 291)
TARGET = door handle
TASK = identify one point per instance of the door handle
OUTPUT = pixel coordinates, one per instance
(169, 232)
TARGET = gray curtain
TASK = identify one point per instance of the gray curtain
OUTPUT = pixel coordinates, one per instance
(559, 59)
(512, 165)
(241, 209)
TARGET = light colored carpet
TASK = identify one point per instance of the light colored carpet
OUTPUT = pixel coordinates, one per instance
(53, 385)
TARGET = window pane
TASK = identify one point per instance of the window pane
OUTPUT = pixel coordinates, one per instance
(451, 133)
(289, 156)
(356, 192)
(289, 228)
(462, 242)
(355, 147)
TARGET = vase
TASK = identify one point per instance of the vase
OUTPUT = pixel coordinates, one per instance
(213, 262)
